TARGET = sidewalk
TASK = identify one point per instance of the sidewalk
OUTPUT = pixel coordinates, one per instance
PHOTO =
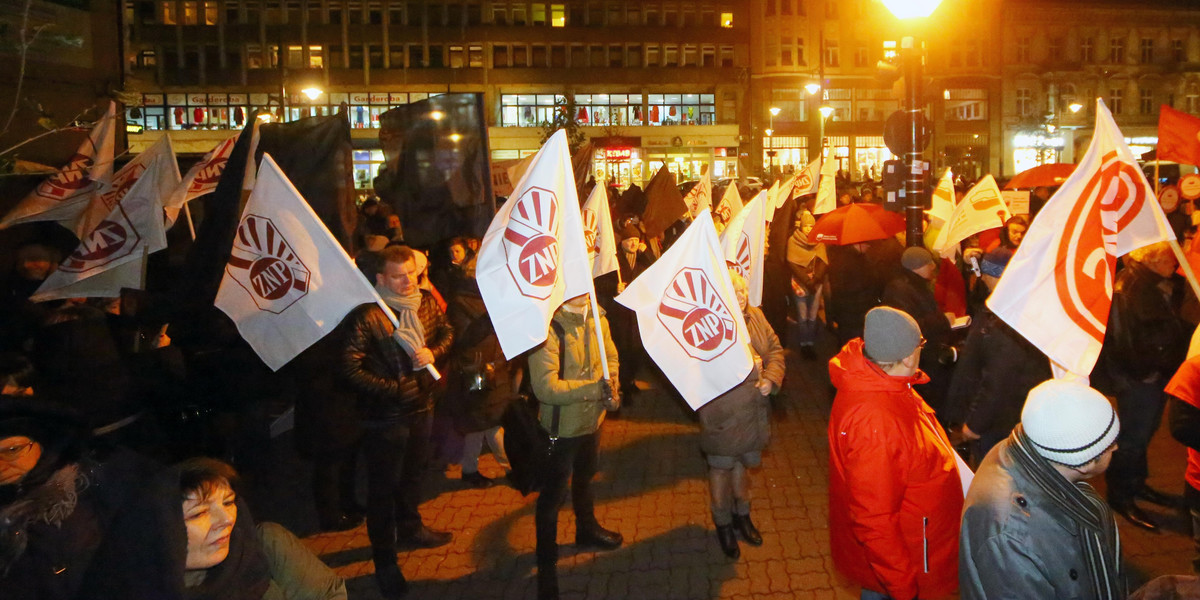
(652, 488)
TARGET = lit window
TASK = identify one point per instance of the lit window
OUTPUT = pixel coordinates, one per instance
(726, 20)
(558, 15)
(315, 57)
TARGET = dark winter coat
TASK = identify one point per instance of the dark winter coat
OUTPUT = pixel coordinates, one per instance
(327, 418)
(480, 385)
(63, 520)
(376, 368)
(1145, 338)
(994, 374)
(910, 293)
(854, 290)
(738, 421)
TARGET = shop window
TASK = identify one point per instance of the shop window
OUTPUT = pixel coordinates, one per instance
(528, 110)
(681, 109)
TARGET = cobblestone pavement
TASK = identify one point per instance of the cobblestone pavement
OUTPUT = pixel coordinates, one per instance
(652, 488)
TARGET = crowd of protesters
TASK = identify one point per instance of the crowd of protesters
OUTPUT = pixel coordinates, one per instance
(105, 491)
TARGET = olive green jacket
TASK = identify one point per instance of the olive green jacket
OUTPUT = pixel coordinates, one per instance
(575, 394)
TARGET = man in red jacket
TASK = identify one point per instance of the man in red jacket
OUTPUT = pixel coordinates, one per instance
(895, 496)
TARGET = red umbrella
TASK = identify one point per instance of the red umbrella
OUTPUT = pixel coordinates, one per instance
(1042, 175)
(856, 223)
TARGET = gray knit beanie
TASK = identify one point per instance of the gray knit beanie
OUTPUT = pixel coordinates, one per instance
(1069, 422)
(890, 335)
(916, 257)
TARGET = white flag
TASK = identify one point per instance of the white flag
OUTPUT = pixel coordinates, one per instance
(288, 282)
(807, 180)
(980, 210)
(827, 188)
(122, 181)
(533, 256)
(743, 245)
(689, 318)
(785, 191)
(1057, 289)
(730, 204)
(110, 256)
(700, 196)
(772, 198)
(65, 195)
(943, 201)
(598, 232)
(201, 179)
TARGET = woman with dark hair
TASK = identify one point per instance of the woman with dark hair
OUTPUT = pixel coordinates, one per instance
(57, 498)
(188, 536)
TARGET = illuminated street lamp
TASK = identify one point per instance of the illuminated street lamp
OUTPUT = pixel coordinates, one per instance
(312, 92)
(1075, 107)
(911, 9)
(812, 88)
(913, 68)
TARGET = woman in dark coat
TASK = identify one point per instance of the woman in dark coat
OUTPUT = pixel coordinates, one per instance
(808, 262)
(481, 382)
(57, 498)
(735, 427)
(187, 536)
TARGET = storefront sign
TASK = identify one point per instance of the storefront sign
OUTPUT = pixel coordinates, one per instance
(237, 99)
(218, 98)
(379, 98)
(360, 98)
(176, 99)
(198, 99)
(618, 153)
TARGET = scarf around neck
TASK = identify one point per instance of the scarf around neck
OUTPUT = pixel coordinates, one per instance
(410, 330)
(1085, 508)
(802, 252)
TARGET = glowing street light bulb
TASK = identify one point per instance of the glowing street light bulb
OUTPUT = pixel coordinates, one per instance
(812, 88)
(774, 110)
(455, 137)
(769, 132)
(1075, 107)
(437, 115)
(312, 92)
(911, 9)
(825, 111)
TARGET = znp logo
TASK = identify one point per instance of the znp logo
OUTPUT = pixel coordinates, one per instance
(695, 315)
(264, 264)
(114, 238)
(531, 243)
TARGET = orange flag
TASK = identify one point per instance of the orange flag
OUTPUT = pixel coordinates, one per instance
(1178, 136)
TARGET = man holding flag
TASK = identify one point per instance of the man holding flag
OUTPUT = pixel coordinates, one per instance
(395, 401)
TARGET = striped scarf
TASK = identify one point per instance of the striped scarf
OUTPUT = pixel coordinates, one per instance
(1089, 512)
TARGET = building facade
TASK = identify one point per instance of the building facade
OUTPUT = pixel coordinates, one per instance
(1059, 56)
(1009, 84)
(655, 82)
(809, 54)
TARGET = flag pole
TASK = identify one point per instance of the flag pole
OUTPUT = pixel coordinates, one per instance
(599, 329)
(187, 212)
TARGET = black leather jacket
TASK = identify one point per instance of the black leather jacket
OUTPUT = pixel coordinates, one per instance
(380, 371)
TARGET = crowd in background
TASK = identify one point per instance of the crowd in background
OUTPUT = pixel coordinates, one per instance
(104, 421)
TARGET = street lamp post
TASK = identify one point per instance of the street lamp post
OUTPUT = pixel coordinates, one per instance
(913, 69)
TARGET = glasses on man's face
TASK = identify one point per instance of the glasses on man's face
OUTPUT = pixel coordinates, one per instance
(12, 453)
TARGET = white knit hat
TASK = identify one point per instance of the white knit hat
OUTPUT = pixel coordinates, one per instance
(1068, 422)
